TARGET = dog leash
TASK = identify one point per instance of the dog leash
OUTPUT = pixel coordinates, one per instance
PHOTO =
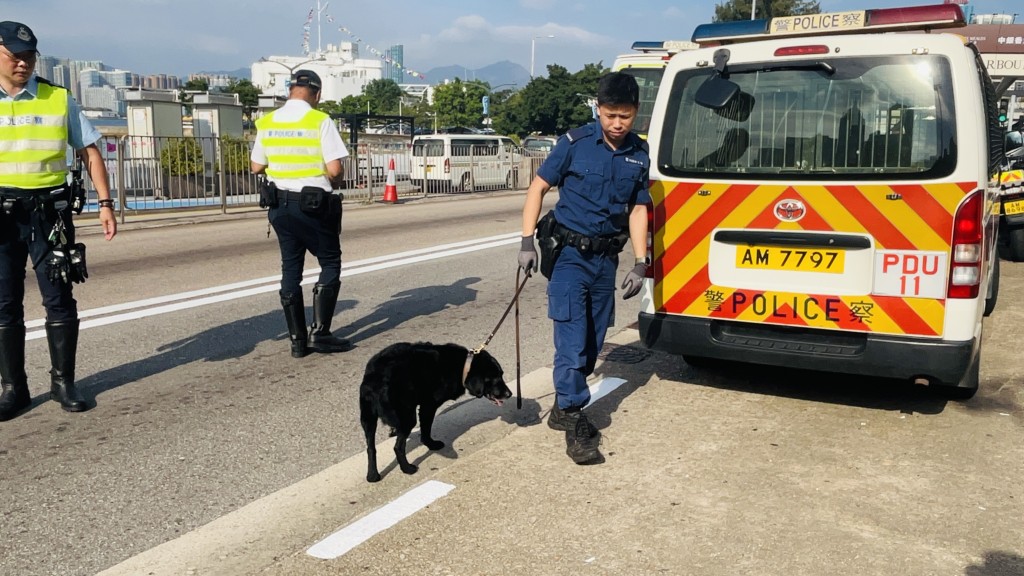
(479, 349)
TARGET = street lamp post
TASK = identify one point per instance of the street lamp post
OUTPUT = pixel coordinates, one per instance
(533, 50)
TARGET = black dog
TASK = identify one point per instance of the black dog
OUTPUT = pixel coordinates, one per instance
(405, 376)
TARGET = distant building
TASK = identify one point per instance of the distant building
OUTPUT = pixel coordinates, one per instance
(340, 68)
(394, 65)
(161, 82)
(213, 80)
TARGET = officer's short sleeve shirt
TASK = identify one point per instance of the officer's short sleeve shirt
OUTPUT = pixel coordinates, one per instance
(597, 185)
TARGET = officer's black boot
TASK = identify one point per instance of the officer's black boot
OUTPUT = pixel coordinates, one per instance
(15, 396)
(295, 315)
(63, 340)
(325, 296)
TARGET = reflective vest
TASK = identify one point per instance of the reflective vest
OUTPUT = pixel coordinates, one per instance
(293, 148)
(34, 139)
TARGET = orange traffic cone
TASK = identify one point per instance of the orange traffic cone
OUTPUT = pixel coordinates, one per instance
(390, 190)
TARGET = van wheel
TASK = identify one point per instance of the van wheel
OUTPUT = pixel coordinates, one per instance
(968, 386)
(993, 289)
(1015, 239)
(464, 183)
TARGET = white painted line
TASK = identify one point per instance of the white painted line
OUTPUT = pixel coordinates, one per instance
(379, 520)
(196, 298)
(603, 387)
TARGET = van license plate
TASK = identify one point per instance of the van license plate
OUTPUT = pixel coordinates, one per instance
(790, 259)
(1014, 207)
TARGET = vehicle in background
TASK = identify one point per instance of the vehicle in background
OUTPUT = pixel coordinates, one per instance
(1011, 189)
(824, 197)
(538, 146)
(464, 162)
(647, 64)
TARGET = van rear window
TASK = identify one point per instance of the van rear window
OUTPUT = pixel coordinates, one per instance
(428, 148)
(882, 118)
(648, 80)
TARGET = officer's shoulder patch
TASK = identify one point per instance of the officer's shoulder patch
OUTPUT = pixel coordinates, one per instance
(578, 133)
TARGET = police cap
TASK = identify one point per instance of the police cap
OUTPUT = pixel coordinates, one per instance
(306, 78)
(17, 37)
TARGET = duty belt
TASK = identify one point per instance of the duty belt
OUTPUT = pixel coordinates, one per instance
(595, 244)
(24, 193)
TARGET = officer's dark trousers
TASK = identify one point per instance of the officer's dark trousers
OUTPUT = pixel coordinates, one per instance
(581, 302)
(298, 232)
(16, 244)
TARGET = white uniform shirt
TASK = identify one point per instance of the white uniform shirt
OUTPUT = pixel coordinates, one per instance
(332, 147)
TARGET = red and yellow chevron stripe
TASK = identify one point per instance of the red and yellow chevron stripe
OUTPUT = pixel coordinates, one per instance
(1011, 178)
(898, 217)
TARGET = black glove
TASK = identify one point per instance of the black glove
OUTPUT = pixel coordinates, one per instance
(77, 271)
(57, 267)
(634, 280)
(528, 255)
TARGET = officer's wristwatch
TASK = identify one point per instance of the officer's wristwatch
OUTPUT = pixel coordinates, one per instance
(646, 261)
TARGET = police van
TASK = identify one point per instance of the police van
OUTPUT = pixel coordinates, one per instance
(647, 64)
(824, 197)
(464, 162)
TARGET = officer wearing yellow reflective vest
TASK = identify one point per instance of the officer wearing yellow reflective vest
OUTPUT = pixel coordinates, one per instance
(38, 121)
(299, 150)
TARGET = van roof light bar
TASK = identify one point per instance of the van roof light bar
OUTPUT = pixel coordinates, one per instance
(664, 46)
(875, 20)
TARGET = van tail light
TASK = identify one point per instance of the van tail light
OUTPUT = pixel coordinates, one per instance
(968, 248)
(650, 239)
(447, 166)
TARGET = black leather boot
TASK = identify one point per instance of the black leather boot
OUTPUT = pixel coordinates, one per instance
(295, 315)
(325, 296)
(15, 397)
(63, 340)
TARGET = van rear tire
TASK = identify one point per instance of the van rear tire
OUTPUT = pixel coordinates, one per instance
(1015, 242)
(969, 384)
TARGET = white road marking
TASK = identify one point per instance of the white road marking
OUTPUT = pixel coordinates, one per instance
(182, 301)
(603, 387)
(379, 520)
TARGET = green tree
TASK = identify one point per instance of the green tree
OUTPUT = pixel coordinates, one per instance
(248, 95)
(383, 95)
(551, 105)
(460, 103)
(193, 85)
(740, 9)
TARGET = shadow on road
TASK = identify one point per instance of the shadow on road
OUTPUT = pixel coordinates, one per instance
(408, 304)
(225, 342)
(997, 564)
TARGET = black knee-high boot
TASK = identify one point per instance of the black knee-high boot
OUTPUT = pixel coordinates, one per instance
(15, 397)
(295, 316)
(63, 340)
(325, 297)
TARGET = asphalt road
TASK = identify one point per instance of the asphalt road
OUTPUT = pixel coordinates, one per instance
(202, 413)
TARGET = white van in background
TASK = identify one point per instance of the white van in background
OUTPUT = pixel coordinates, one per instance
(464, 162)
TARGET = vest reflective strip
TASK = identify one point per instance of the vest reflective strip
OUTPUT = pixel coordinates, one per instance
(33, 139)
(18, 168)
(293, 148)
(23, 145)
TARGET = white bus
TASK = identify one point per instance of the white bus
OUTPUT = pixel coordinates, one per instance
(464, 162)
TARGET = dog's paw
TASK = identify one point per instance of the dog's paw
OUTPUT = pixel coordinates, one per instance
(433, 444)
(374, 477)
(410, 468)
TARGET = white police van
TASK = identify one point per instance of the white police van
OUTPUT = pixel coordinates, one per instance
(464, 162)
(825, 197)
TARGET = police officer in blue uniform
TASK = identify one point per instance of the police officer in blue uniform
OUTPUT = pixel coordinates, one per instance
(601, 170)
(38, 121)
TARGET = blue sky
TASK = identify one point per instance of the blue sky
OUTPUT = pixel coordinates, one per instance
(182, 36)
